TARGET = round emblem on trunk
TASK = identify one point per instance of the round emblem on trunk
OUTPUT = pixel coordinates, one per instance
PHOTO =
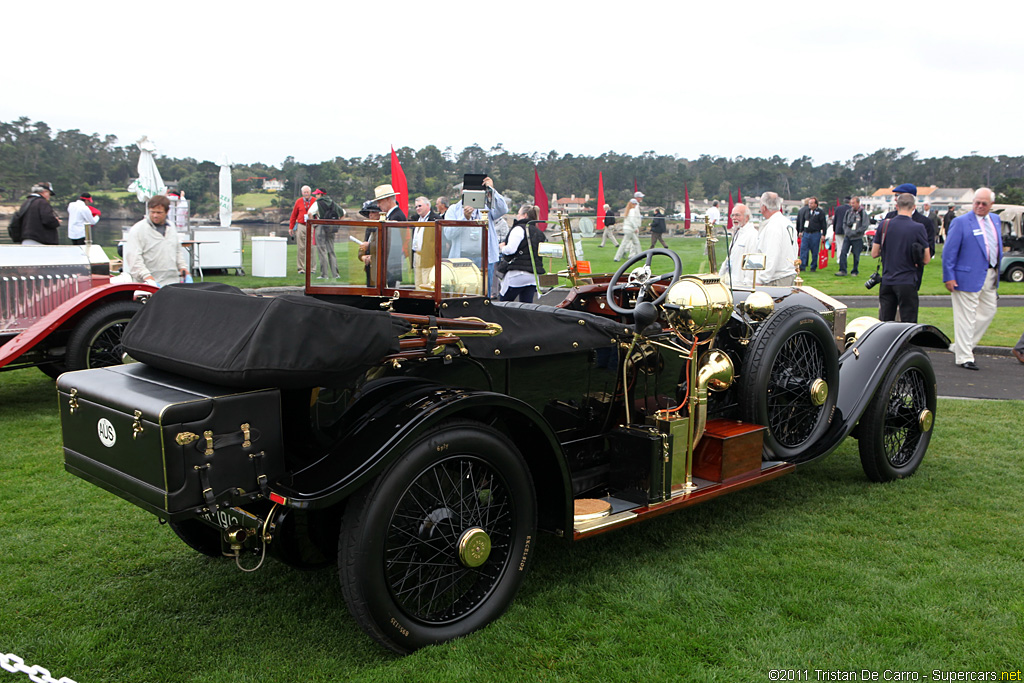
(106, 432)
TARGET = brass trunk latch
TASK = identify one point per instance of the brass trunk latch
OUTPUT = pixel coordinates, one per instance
(73, 401)
(245, 435)
(208, 435)
(137, 425)
(185, 438)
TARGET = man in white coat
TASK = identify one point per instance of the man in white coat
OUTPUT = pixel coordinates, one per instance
(79, 216)
(743, 242)
(153, 253)
(776, 239)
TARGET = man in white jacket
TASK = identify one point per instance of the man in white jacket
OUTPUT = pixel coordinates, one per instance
(79, 216)
(153, 252)
(776, 239)
(744, 242)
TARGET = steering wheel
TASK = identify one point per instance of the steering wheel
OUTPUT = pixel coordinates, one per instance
(642, 278)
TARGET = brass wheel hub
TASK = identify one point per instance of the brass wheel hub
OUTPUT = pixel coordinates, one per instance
(474, 547)
(926, 419)
(819, 392)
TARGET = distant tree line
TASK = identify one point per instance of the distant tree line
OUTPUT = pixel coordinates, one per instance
(76, 161)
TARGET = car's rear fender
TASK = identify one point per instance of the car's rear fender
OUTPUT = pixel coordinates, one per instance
(863, 366)
(396, 413)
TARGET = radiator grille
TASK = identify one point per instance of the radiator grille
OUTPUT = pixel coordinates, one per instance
(24, 299)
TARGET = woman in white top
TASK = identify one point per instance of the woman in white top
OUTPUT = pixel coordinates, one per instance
(520, 282)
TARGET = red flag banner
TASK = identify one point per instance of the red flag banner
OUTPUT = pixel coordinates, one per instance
(728, 223)
(686, 207)
(401, 188)
(635, 188)
(540, 197)
(399, 183)
(599, 222)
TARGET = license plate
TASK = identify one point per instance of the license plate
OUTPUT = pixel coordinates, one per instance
(225, 518)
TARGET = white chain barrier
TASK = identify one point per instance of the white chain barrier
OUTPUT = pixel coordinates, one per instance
(38, 674)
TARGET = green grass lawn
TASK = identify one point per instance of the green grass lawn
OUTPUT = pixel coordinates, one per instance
(818, 570)
(113, 194)
(252, 200)
(1005, 329)
(690, 250)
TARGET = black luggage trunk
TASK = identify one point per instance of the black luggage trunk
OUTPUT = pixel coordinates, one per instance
(172, 445)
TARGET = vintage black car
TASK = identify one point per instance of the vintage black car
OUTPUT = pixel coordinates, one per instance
(421, 435)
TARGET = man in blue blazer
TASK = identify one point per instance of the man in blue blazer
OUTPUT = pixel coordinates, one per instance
(970, 271)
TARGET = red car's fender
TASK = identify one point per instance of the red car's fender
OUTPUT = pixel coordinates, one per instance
(68, 310)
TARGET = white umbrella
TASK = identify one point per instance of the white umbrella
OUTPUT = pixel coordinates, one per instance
(225, 192)
(149, 183)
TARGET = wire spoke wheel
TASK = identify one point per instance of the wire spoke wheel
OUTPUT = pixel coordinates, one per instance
(426, 575)
(896, 427)
(435, 547)
(96, 340)
(792, 413)
(789, 382)
(106, 349)
(902, 427)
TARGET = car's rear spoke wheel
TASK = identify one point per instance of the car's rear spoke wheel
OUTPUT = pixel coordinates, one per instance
(435, 547)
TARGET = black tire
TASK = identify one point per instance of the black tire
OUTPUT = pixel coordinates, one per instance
(198, 536)
(398, 552)
(1015, 273)
(791, 351)
(891, 437)
(96, 340)
(53, 369)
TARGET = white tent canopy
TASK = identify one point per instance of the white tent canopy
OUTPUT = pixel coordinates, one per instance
(149, 183)
(225, 192)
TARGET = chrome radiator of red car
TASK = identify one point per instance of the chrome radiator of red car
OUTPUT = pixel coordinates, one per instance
(34, 280)
(24, 299)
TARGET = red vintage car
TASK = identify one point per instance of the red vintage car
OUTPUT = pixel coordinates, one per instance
(59, 309)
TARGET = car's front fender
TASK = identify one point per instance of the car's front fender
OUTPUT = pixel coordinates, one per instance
(862, 367)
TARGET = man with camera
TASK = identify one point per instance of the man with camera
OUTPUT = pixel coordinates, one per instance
(464, 239)
(855, 223)
(902, 244)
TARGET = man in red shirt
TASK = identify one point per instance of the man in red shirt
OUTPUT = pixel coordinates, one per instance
(299, 211)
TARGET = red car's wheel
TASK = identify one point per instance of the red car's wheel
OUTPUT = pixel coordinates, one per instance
(96, 340)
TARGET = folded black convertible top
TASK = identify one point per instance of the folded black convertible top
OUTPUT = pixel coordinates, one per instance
(217, 334)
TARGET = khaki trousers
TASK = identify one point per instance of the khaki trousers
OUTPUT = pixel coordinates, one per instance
(972, 313)
(300, 242)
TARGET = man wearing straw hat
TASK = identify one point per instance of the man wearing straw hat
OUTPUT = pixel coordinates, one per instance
(384, 196)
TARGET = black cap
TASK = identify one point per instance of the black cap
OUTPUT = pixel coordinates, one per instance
(369, 206)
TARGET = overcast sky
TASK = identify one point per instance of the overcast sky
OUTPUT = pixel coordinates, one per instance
(260, 81)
